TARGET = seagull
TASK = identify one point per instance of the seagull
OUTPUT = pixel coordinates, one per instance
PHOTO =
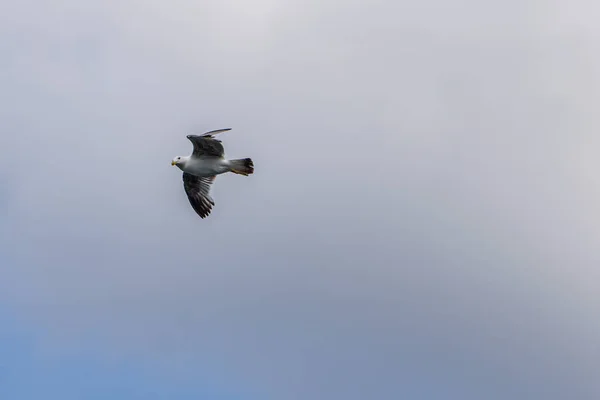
(203, 165)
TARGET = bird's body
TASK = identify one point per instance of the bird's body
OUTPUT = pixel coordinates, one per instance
(203, 165)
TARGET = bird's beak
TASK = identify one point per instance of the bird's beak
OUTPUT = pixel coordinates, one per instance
(173, 163)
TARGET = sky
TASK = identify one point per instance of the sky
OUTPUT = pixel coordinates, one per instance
(423, 221)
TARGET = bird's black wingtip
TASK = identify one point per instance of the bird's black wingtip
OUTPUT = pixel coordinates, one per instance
(215, 132)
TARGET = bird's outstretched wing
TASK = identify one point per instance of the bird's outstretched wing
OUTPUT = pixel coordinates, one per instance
(197, 190)
(206, 145)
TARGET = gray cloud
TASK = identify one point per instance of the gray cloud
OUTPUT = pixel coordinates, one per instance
(422, 221)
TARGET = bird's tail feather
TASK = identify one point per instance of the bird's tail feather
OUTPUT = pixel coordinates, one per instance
(242, 166)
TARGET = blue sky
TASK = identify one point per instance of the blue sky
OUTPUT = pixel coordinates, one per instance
(422, 222)
(29, 372)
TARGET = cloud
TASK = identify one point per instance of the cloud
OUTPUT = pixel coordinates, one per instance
(422, 220)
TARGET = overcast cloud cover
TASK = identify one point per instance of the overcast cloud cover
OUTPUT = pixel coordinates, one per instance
(423, 222)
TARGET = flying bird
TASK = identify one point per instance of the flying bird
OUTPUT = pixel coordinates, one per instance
(203, 165)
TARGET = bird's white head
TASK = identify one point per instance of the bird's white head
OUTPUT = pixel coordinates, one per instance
(179, 161)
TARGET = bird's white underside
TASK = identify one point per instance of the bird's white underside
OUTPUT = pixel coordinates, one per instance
(204, 167)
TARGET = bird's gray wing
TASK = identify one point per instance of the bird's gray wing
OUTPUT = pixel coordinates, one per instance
(206, 145)
(197, 190)
(215, 132)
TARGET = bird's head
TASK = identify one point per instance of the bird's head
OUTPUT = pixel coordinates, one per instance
(177, 160)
